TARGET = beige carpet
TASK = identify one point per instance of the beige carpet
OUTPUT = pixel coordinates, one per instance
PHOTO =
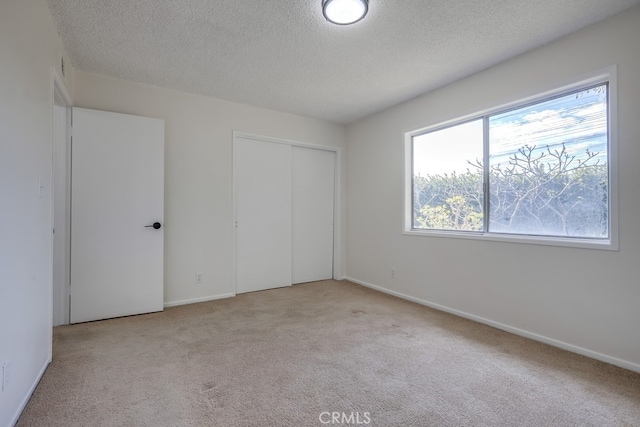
(284, 357)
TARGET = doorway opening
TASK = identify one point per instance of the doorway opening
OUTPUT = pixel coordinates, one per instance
(61, 199)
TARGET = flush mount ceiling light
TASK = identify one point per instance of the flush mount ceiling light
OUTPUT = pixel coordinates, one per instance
(344, 12)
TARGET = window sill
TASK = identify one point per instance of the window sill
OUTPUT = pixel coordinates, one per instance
(599, 244)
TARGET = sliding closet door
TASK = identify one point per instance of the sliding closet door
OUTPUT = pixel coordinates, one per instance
(262, 179)
(313, 194)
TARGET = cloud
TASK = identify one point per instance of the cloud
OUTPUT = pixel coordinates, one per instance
(578, 127)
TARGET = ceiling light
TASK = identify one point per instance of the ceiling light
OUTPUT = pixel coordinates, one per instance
(344, 12)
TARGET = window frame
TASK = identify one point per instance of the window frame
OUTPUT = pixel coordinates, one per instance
(607, 75)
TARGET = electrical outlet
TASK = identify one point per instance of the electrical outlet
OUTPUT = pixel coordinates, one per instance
(198, 278)
(393, 273)
(5, 375)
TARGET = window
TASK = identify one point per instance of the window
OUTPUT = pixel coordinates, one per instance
(537, 171)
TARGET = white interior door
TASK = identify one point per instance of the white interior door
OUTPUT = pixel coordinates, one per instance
(117, 189)
(313, 198)
(262, 180)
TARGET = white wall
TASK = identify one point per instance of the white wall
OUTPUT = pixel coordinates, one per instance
(584, 300)
(198, 172)
(29, 47)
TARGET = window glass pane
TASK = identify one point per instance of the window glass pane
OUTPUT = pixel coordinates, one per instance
(447, 178)
(548, 167)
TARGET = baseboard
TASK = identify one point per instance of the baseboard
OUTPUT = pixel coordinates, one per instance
(24, 402)
(517, 331)
(195, 300)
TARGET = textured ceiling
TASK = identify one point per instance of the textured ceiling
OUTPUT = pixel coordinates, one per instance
(283, 55)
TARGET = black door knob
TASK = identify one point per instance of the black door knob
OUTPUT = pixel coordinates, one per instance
(155, 225)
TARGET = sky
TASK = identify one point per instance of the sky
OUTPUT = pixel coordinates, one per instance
(578, 119)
